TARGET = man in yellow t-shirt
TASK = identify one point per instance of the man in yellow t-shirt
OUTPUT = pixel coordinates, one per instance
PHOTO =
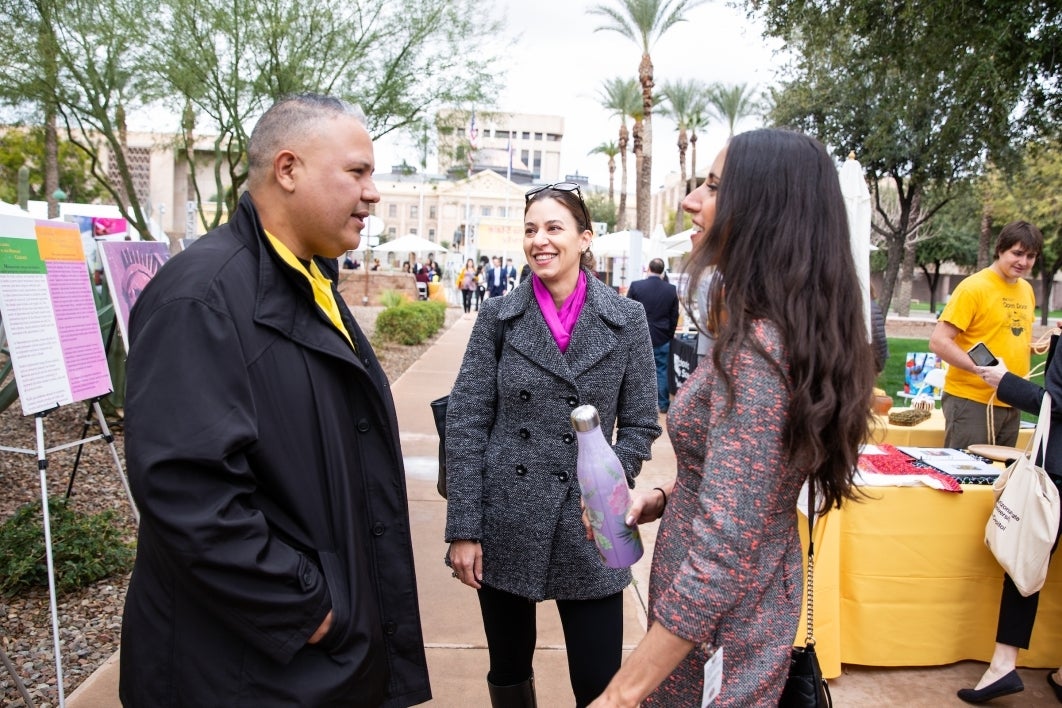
(994, 306)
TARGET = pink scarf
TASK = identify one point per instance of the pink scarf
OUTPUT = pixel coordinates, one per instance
(560, 322)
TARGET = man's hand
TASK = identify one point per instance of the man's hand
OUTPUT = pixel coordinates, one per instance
(326, 624)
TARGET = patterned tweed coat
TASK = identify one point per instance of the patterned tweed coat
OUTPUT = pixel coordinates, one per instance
(727, 562)
(510, 448)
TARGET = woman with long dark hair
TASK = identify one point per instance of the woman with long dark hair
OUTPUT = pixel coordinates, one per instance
(784, 397)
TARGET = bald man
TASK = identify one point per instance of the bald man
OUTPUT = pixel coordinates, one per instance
(274, 563)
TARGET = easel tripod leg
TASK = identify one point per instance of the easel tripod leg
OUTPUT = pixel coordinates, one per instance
(15, 677)
(77, 457)
(42, 466)
(117, 460)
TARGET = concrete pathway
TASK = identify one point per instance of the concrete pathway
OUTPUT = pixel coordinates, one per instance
(456, 648)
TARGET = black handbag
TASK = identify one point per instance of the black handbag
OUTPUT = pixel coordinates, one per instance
(805, 687)
(438, 412)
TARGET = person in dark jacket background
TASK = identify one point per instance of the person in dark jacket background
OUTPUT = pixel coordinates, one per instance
(1017, 613)
(274, 561)
(660, 300)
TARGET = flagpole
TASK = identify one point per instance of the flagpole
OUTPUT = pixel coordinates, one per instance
(509, 179)
(473, 141)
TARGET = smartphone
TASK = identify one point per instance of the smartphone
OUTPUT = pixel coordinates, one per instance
(982, 356)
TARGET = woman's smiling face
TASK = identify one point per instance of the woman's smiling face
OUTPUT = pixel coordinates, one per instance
(553, 243)
(700, 203)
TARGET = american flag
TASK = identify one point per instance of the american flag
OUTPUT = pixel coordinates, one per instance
(473, 132)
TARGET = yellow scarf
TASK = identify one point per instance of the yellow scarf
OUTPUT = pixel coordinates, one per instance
(322, 286)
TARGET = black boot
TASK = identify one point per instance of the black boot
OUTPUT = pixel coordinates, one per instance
(519, 695)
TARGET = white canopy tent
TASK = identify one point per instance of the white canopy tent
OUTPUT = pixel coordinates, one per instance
(12, 209)
(857, 204)
(678, 244)
(407, 243)
(620, 244)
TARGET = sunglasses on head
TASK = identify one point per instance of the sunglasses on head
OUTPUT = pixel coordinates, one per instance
(560, 187)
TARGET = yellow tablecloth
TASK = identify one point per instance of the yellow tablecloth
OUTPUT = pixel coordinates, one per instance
(904, 579)
(929, 433)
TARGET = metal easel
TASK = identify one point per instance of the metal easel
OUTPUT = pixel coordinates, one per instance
(42, 453)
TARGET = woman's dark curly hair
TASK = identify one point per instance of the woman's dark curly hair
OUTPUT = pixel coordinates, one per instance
(780, 248)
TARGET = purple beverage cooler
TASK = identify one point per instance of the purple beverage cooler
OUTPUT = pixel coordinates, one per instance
(605, 493)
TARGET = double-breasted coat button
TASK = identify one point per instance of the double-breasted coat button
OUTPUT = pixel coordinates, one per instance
(363, 425)
(390, 628)
(563, 476)
(525, 395)
(568, 438)
(521, 470)
(573, 401)
(378, 529)
(524, 433)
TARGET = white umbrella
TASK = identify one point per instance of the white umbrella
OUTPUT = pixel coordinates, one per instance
(409, 242)
(857, 204)
(370, 234)
(678, 244)
(12, 209)
(617, 245)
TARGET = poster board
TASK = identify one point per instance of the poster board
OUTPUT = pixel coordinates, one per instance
(917, 365)
(49, 314)
(128, 266)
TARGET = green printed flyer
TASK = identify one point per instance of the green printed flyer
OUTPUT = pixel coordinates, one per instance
(20, 256)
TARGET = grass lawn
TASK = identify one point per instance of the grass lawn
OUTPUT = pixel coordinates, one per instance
(891, 379)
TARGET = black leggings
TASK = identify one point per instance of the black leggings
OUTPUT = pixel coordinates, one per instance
(593, 636)
(466, 299)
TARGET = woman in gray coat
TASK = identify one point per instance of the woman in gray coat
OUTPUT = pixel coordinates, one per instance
(513, 513)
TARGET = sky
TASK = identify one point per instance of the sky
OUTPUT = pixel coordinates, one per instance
(556, 64)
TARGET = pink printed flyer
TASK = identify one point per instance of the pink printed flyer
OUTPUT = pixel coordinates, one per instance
(128, 266)
(49, 315)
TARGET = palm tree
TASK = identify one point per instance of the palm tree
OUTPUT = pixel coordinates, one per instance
(683, 102)
(732, 103)
(700, 118)
(643, 22)
(610, 150)
(624, 99)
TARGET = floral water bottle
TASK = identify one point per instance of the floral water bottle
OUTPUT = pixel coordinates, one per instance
(605, 493)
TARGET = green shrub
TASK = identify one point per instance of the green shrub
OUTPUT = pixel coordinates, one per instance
(392, 298)
(410, 323)
(85, 548)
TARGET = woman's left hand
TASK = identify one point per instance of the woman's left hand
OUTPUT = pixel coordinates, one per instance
(992, 375)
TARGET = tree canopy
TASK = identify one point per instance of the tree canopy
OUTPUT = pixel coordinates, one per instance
(924, 92)
(217, 65)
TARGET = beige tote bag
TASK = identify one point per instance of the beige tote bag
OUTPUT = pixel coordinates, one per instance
(1024, 523)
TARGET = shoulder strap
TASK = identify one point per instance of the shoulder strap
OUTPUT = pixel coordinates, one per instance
(810, 583)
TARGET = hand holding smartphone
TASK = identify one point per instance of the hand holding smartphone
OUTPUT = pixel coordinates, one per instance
(982, 356)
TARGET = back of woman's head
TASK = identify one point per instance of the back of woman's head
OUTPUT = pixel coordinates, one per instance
(781, 245)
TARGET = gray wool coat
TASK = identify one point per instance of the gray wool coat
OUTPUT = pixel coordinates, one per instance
(510, 448)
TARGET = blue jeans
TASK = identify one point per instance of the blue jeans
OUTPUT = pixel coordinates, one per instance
(661, 355)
